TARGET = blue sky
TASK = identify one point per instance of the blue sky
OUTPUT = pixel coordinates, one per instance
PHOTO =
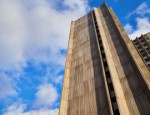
(33, 41)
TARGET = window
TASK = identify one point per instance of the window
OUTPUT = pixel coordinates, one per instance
(140, 49)
(98, 34)
(112, 94)
(136, 43)
(148, 40)
(102, 51)
(138, 46)
(107, 75)
(145, 57)
(101, 45)
(105, 64)
(109, 80)
(115, 106)
(143, 43)
(104, 59)
(148, 62)
(146, 46)
(110, 86)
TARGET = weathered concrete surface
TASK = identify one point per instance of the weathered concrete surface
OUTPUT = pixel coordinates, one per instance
(86, 89)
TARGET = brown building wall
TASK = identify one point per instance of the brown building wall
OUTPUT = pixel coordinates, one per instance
(104, 73)
(86, 90)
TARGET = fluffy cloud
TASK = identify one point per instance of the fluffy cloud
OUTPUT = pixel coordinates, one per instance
(19, 109)
(142, 22)
(141, 10)
(15, 109)
(35, 30)
(12, 34)
(128, 28)
(46, 95)
(142, 27)
(7, 87)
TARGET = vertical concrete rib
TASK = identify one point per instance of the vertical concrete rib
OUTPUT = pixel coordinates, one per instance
(65, 95)
(135, 56)
(135, 90)
(115, 78)
(98, 39)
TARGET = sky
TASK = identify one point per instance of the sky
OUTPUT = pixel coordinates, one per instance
(33, 41)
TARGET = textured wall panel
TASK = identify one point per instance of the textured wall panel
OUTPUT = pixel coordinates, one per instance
(104, 74)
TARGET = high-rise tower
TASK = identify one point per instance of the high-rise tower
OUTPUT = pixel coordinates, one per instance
(104, 73)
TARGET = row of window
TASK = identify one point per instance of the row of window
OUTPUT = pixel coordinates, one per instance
(141, 48)
(144, 51)
(107, 73)
(143, 40)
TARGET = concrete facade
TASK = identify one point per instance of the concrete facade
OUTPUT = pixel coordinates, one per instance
(104, 73)
(142, 44)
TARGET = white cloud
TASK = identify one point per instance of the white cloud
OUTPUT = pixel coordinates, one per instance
(142, 27)
(7, 87)
(46, 95)
(53, 75)
(19, 109)
(142, 23)
(35, 30)
(141, 10)
(15, 109)
(77, 4)
(50, 30)
(42, 112)
(29, 28)
(128, 28)
(12, 33)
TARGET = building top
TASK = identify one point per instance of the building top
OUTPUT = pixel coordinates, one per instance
(102, 5)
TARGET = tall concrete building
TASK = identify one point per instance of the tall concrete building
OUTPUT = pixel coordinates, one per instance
(142, 44)
(104, 73)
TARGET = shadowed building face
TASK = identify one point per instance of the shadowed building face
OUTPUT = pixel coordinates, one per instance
(104, 74)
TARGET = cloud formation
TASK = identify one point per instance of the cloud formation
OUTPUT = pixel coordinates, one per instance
(141, 10)
(7, 87)
(46, 95)
(35, 31)
(142, 21)
(19, 109)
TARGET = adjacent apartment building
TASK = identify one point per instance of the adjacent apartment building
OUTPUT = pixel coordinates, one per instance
(104, 73)
(142, 44)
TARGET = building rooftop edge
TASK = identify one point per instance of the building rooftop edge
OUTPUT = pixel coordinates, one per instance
(104, 3)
